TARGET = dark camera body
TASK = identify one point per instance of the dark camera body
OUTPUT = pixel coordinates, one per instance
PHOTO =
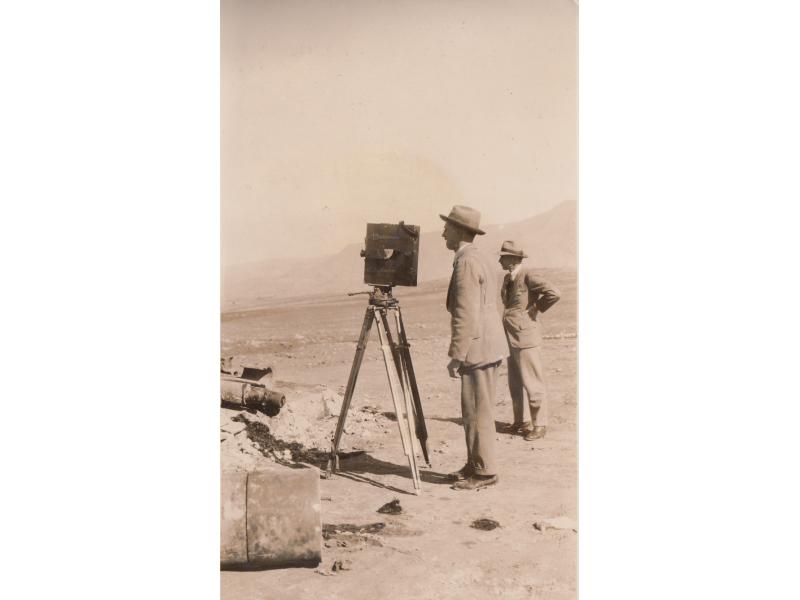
(391, 254)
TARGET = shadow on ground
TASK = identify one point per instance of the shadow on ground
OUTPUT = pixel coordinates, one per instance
(356, 468)
(499, 426)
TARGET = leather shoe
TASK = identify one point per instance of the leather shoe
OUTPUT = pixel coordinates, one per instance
(462, 474)
(519, 428)
(535, 433)
(476, 482)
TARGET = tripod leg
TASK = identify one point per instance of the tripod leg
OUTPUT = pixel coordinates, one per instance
(398, 360)
(409, 409)
(395, 350)
(421, 429)
(388, 360)
(369, 316)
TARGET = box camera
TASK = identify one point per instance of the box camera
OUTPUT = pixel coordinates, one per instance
(391, 254)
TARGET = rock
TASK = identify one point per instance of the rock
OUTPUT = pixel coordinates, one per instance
(331, 403)
(556, 523)
(485, 524)
(391, 508)
(341, 565)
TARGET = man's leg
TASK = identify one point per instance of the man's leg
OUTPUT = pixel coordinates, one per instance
(477, 398)
(532, 375)
(515, 387)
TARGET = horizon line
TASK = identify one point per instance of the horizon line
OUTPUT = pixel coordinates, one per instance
(261, 260)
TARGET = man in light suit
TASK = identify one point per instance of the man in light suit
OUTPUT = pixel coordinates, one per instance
(525, 296)
(477, 344)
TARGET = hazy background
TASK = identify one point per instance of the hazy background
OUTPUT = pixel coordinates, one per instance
(335, 114)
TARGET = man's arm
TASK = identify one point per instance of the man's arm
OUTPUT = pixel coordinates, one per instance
(464, 316)
(544, 294)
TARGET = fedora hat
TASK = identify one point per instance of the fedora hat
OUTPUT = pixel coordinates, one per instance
(466, 218)
(510, 248)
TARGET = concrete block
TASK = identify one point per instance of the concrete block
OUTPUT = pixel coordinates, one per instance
(270, 519)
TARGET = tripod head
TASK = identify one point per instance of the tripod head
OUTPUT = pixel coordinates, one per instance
(381, 295)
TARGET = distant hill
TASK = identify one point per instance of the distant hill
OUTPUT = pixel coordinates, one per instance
(549, 239)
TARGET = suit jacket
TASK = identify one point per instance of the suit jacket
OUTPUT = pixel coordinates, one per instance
(475, 326)
(520, 296)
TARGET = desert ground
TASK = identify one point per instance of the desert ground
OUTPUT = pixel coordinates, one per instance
(431, 549)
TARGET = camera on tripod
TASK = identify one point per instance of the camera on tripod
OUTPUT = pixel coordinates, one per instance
(391, 254)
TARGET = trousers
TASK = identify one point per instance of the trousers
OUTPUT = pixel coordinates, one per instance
(478, 385)
(526, 375)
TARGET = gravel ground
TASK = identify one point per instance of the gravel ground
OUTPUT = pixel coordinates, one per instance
(431, 548)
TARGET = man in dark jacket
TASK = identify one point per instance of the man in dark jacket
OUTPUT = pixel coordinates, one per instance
(525, 296)
(477, 344)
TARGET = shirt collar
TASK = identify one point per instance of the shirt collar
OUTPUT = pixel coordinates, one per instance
(461, 250)
(515, 271)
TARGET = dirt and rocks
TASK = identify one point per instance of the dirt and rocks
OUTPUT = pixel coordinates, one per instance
(431, 547)
(301, 432)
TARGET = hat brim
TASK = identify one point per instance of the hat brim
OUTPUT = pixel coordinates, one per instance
(523, 255)
(464, 226)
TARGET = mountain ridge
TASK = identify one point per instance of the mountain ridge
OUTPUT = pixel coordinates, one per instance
(549, 239)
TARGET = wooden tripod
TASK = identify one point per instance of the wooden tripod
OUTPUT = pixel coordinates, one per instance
(402, 381)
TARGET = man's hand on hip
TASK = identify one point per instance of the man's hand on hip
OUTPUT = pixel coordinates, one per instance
(453, 366)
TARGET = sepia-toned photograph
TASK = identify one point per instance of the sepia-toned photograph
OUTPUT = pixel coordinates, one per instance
(398, 360)
(464, 352)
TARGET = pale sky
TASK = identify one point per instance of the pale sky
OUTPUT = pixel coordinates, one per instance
(340, 113)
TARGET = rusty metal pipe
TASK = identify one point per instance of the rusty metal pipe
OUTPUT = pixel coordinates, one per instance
(249, 394)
